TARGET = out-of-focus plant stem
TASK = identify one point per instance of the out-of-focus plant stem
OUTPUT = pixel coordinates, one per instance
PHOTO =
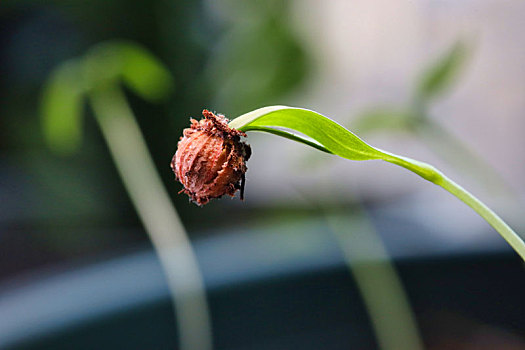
(154, 207)
(376, 278)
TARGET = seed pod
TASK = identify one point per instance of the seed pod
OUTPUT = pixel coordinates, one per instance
(211, 160)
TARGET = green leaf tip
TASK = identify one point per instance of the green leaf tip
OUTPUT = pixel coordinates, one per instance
(315, 130)
(437, 78)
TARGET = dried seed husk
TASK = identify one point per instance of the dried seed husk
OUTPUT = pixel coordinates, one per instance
(211, 159)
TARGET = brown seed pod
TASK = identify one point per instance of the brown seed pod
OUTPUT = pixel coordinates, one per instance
(211, 160)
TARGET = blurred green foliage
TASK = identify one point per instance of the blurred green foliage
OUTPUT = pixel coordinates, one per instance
(415, 117)
(62, 103)
(130, 63)
(440, 76)
(433, 82)
(259, 59)
(202, 49)
(115, 61)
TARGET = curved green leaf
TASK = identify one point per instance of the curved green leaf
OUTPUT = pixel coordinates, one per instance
(61, 108)
(290, 136)
(144, 74)
(331, 137)
(325, 132)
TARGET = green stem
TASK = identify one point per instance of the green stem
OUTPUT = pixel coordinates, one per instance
(160, 218)
(485, 212)
(433, 175)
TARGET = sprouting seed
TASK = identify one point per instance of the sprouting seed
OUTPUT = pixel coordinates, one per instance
(211, 159)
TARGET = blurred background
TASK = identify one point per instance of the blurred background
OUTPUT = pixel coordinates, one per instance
(438, 81)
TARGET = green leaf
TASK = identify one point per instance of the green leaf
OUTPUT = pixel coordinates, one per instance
(291, 136)
(318, 131)
(322, 133)
(61, 108)
(440, 76)
(332, 136)
(144, 74)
